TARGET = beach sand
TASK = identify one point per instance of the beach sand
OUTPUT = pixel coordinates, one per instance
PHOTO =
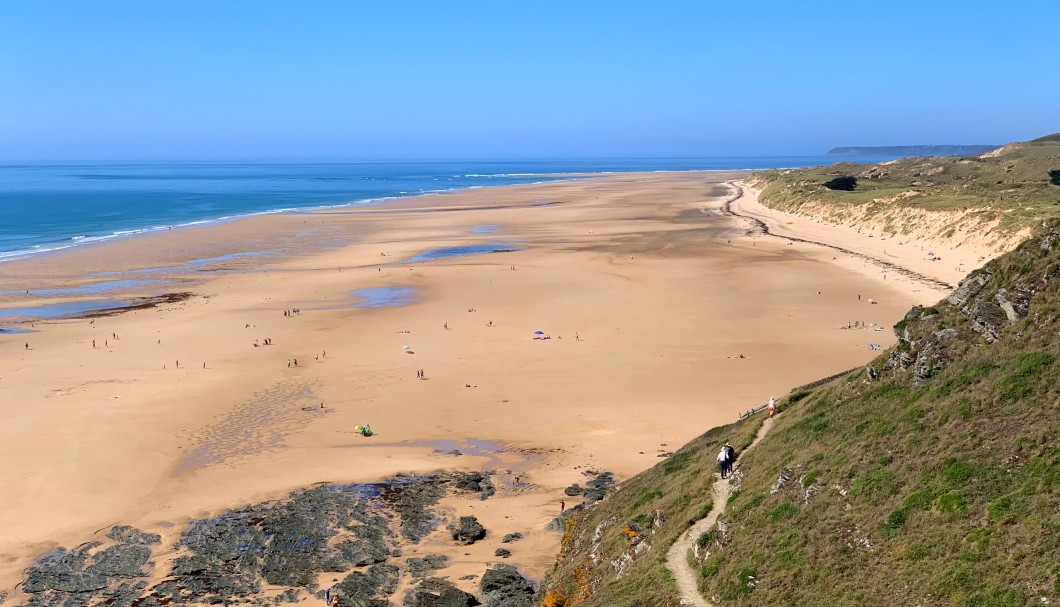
(665, 319)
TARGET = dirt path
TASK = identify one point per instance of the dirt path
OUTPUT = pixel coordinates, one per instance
(677, 557)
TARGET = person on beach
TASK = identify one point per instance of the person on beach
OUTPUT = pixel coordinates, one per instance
(772, 406)
(723, 460)
(27, 345)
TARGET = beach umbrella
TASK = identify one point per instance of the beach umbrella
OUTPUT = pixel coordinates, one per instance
(539, 332)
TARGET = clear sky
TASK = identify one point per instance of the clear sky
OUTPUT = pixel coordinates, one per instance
(404, 79)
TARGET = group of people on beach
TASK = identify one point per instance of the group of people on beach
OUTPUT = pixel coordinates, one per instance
(291, 312)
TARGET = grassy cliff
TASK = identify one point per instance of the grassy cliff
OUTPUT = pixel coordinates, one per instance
(1009, 188)
(930, 477)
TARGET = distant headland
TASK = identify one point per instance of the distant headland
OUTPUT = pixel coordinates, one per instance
(913, 150)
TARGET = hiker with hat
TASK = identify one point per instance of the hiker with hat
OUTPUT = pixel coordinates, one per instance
(723, 462)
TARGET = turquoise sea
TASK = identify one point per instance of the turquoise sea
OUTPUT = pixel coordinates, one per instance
(54, 206)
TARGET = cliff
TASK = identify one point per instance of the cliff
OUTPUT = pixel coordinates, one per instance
(929, 477)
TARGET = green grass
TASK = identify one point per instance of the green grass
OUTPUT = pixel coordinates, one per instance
(680, 488)
(943, 491)
(1013, 187)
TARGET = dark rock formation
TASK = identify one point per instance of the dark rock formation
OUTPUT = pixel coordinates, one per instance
(82, 571)
(502, 586)
(597, 487)
(511, 537)
(73, 578)
(233, 557)
(131, 535)
(574, 490)
(435, 592)
(411, 497)
(369, 588)
(476, 482)
(467, 530)
(502, 552)
(420, 567)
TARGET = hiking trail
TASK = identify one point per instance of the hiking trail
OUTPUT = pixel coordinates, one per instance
(677, 557)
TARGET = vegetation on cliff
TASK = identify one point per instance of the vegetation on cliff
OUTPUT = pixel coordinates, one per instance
(1010, 186)
(930, 477)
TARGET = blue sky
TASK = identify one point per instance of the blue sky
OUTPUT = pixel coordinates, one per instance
(386, 80)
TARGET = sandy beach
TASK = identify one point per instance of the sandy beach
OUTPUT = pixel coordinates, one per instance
(664, 318)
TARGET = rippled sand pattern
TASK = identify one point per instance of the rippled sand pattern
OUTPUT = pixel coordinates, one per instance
(254, 427)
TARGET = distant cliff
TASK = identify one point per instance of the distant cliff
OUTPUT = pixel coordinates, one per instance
(913, 150)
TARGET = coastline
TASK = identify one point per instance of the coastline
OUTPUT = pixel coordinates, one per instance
(681, 320)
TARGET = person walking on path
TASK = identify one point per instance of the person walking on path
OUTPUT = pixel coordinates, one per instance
(772, 406)
(723, 462)
(730, 458)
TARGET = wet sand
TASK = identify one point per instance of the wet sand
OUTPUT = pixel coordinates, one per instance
(664, 319)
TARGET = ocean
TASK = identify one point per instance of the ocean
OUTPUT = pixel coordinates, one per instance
(53, 206)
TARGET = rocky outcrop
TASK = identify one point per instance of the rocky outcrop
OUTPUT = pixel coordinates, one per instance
(436, 592)
(85, 569)
(131, 535)
(467, 530)
(503, 586)
(596, 488)
(476, 482)
(984, 306)
(420, 567)
(243, 554)
(369, 588)
(115, 575)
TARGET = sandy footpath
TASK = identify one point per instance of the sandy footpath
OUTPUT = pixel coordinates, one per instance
(664, 320)
(909, 252)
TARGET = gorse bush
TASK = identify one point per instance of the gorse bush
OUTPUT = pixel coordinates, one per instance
(845, 183)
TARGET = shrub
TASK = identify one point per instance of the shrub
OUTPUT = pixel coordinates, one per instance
(705, 538)
(845, 183)
(952, 503)
(999, 509)
(810, 477)
(712, 566)
(554, 598)
(678, 462)
(958, 472)
(782, 512)
(1021, 384)
(645, 496)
